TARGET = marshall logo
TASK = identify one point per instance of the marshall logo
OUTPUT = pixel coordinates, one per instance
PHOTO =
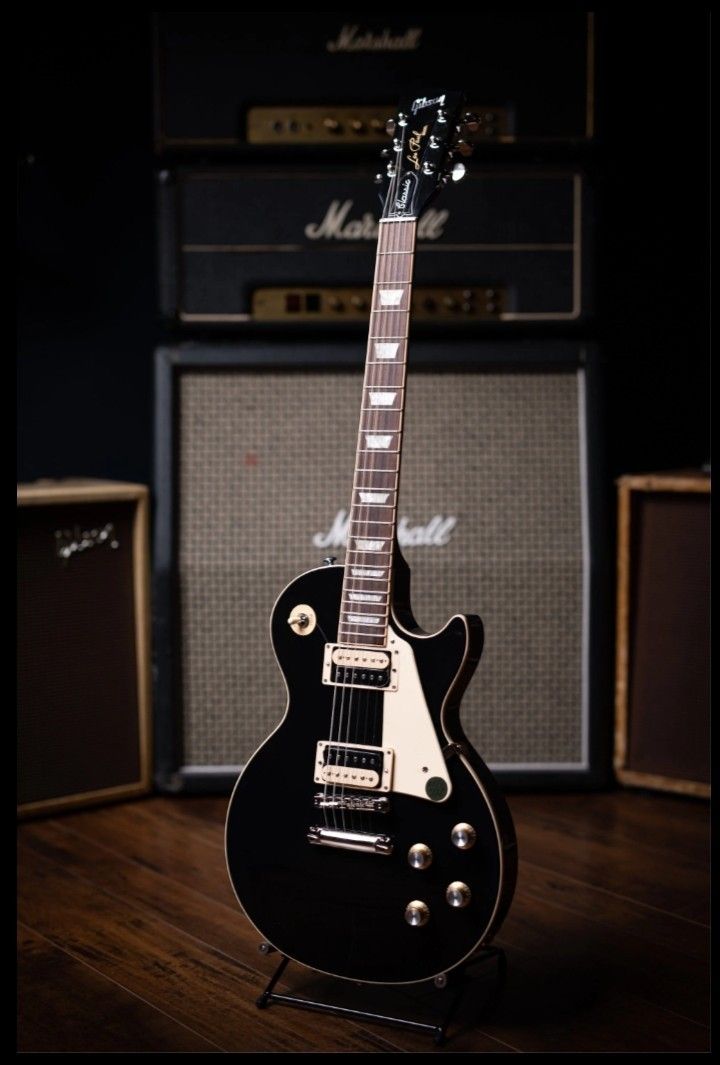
(415, 145)
(337, 225)
(351, 39)
(422, 101)
(436, 533)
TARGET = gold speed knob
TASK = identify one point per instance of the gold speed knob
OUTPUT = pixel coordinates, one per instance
(463, 836)
(420, 856)
(417, 913)
(458, 894)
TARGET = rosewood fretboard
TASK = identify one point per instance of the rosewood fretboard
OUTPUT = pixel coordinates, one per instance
(367, 582)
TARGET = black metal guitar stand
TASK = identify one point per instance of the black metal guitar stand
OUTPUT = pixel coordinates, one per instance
(457, 981)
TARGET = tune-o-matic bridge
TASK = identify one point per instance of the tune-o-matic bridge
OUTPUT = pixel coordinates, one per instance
(360, 667)
(374, 804)
(353, 765)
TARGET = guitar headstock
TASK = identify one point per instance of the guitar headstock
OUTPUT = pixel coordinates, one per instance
(427, 133)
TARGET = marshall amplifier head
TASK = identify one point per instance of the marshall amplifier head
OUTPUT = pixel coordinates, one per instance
(499, 514)
(507, 245)
(244, 81)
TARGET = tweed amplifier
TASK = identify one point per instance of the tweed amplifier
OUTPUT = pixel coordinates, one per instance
(83, 644)
(500, 514)
(244, 81)
(662, 691)
(296, 245)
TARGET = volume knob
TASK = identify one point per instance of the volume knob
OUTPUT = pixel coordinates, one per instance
(420, 856)
(463, 836)
(417, 913)
(458, 894)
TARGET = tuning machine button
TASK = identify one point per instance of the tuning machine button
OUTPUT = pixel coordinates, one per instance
(458, 172)
(420, 856)
(464, 148)
(458, 894)
(390, 126)
(417, 913)
(471, 122)
(463, 836)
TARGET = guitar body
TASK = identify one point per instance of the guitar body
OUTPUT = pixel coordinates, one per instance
(343, 911)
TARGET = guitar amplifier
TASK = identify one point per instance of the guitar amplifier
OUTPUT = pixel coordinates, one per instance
(501, 513)
(662, 694)
(506, 245)
(83, 644)
(245, 81)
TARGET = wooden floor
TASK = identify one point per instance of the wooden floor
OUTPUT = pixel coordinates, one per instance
(131, 939)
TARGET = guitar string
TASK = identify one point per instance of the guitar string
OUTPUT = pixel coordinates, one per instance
(395, 239)
(345, 686)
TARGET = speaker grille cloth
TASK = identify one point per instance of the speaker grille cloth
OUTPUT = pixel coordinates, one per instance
(265, 464)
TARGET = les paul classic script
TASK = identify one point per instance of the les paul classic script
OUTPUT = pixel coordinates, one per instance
(366, 838)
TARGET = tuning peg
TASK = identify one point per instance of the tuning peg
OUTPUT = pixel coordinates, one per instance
(464, 148)
(390, 127)
(379, 178)
(471, 122)
(458, 172)
(402, 118)
(385, 153)
(428, 168)
(441, 115)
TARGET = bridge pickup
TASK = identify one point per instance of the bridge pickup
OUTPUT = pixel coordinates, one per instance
(374, 804)
(372, 668)
(353, 765)
(350, 841)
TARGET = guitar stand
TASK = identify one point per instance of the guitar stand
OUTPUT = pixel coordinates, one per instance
(457, 981)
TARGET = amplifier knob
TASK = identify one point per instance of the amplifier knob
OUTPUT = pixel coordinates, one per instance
(359, 301)
(331, 125)
(463, 836)
(417, 913)
(450, 302)
(357, 126)
(420, 856)
(458, 894)
(335, 304)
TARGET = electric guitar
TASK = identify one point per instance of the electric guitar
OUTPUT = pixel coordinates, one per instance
(366, 838)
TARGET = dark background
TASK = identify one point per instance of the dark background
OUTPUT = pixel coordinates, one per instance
(87, 317)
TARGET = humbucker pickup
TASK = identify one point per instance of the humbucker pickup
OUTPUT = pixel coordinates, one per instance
(374, 668)
(353, 765)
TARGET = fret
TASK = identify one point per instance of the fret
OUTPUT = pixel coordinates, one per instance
(367, 579)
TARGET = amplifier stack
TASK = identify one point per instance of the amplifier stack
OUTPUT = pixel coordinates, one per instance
(267, 139)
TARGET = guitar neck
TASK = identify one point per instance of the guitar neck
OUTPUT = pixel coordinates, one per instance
(367, 584)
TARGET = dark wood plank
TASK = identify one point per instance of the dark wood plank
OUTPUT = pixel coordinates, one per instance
(596, 962)
(664, 878)
(65, 1006)
(210, 920)
(194, 984)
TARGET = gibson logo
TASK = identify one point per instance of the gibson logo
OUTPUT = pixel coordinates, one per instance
(350, 39)
(337, 226)
(422, 101)
(415, 144)
(436, 533)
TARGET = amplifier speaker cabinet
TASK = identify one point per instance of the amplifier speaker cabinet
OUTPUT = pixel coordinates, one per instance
(83, 644)
(662, 725)
(500, 515)
(506, 245)
(244, 81)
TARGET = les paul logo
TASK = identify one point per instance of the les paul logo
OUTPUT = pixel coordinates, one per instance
(415, 145)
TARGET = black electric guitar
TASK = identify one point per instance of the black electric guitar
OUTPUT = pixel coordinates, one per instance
(366, 838)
